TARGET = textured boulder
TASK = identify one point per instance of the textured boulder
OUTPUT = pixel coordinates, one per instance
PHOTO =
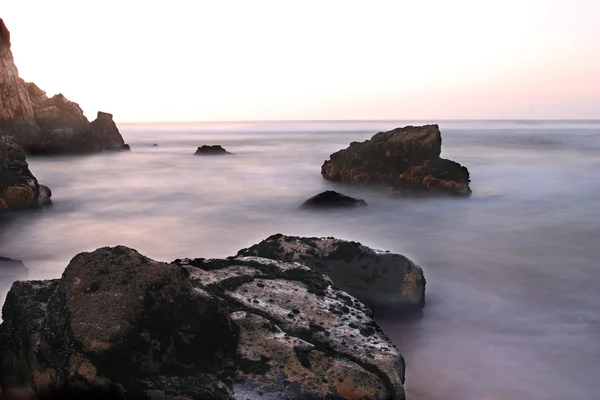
(379, 279)
(18, 187)
(331, 199)
(45, 125)
(214, 150)
(119, 325)
(403, 158)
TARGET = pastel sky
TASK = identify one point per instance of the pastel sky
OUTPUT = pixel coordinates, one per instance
(222, 60)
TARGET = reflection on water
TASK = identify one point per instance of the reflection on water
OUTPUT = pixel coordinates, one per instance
(512, 300)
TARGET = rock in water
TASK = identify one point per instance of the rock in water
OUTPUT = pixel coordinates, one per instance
(332, 199)
(214, 150)
(18, 187)
(379, 279)
(404, 158)
(105, 128)
(119, 325)
(10, 268)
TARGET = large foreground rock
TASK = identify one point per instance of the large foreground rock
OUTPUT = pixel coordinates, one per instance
(379, 279)
(403, 158)
(18, 187)
(45, 125)
(120, 325)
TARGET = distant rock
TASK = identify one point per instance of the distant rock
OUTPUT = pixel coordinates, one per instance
(404, 158)
(10, 268)
(214, 150)
(377, 278)
(45, 125)
(18, 187)
(120, 325)
(332, 199)
(105, 128)
(154, 145)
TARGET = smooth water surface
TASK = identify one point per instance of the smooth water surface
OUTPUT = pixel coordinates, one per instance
(513, 306)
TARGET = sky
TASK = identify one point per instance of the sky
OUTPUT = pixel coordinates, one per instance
(246, 60)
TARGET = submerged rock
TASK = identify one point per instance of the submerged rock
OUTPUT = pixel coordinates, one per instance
(403, 158)
(120, 325)
(379, 279)
(214, 150)
(18, 187)
(332, 199)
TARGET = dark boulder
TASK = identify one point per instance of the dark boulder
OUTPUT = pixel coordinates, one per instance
(105, 128)
(380, 279)
(18, 187)
(154, 145)
(120, 325)
(403, 158)
(214, 150)
(332, 199)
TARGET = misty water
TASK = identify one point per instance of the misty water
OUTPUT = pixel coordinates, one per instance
(513, 306)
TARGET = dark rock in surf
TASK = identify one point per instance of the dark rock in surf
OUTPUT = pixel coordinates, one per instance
(214, 150)
(18, 187)
(105, 128)
(332, 199)
(379, 279)
(120, 325)
(403, 158)
(154, 145)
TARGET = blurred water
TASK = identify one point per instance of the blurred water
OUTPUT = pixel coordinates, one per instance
(512, 298)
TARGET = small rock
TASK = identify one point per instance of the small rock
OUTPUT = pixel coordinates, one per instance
(214, 150)
(332, 199)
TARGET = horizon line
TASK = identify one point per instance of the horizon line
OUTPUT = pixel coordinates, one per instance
(369, 120)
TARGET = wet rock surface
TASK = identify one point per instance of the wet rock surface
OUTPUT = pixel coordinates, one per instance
(332, 199)
(120, 325)
(18, 187)
(213, 150)
(404, 159)
(379, 279)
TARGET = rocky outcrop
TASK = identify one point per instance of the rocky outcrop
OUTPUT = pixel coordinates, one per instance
(106, 129)
(380, 279)
(16, 110)
(120, 325)
(404, 158)
(18, 187)
(332, 199)
(214, 150)
(45, 125)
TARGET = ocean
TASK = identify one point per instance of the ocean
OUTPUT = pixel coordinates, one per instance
(513, 272)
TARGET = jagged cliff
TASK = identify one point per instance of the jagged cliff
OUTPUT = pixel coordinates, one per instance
(16, 110)
(45, 125)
